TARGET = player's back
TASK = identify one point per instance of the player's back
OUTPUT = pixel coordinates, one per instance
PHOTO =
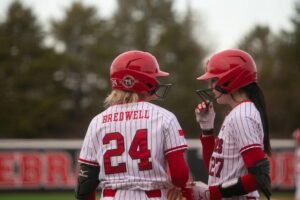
(133, 140)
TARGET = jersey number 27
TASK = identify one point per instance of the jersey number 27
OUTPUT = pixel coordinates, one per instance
(138, 150)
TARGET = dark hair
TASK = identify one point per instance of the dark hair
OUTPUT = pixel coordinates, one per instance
(256, 95)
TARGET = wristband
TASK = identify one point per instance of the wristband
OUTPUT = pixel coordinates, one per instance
(233, 187)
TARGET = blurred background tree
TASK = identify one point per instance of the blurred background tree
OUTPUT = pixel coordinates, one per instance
(286, 96)
(278, 61)
(87, 52)
(29, 95)
(54, 91)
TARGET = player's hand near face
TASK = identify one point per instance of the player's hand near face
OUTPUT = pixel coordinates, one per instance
(205, 115)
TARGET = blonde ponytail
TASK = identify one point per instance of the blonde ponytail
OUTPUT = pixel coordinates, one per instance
(121, 97)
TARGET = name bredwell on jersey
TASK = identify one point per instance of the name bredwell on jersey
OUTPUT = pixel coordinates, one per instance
(128, 115)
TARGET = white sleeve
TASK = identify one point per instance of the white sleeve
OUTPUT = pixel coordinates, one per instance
(174, 137)
(88, 153)
(247, 132)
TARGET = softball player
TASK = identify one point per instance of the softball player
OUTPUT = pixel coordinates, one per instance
(127, 147)
(237, 158)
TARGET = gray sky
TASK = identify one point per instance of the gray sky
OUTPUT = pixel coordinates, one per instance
(225, 21)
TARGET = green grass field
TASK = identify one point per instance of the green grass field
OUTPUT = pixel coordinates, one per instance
(37, 196)
(70, 196)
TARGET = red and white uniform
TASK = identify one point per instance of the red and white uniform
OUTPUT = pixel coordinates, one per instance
(129, 142)
(241, 130)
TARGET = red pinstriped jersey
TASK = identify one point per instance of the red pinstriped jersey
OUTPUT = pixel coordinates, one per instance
(241, 130)
(129, 142)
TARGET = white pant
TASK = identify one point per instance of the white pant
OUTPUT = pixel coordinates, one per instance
(134, 195)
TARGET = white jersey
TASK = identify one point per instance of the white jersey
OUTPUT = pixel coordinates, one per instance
(241, 130)
(129, 142)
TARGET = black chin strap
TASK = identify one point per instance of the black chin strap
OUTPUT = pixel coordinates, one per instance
(220, 89)
(219, 96)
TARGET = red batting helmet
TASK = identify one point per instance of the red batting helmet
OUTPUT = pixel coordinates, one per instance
(296, 135)
(233, 68)
(135, 71)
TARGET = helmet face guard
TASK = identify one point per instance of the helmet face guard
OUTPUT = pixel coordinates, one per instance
(206, 95)
(161, 91)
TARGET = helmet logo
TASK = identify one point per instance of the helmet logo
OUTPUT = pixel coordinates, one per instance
(128, 81)
(114, 82)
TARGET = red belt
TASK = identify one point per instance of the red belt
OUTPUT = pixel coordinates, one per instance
(150, 193)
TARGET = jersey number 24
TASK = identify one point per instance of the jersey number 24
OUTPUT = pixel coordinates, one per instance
(138, 150)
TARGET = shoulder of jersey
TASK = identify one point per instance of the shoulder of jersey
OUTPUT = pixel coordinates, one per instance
(95, 118)
(105, 111)
(242, 110)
